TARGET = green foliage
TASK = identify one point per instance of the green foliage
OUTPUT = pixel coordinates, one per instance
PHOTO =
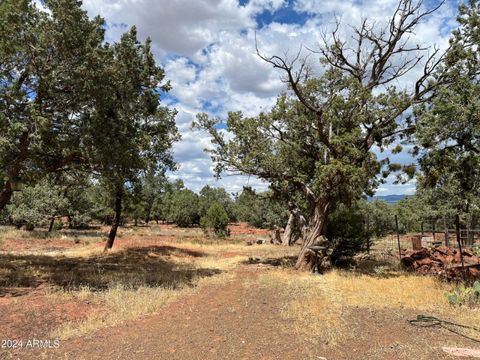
(465, 295)
(208, 196)
(47, 64)
(215, 221)
(476, 250)
(260, 210)
(36, 205)
(318, 140)
(100, 197)
(181, 207)
(380, 216)
(132, 132)
(69, 99)
(347, 230)
(448, 127)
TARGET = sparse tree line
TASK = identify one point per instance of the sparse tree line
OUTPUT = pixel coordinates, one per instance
(84, 134)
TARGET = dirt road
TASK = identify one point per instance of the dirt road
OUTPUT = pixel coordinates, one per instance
(239, 319)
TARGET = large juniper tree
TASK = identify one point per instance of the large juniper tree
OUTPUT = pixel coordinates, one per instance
(47, 65)
(319, 136)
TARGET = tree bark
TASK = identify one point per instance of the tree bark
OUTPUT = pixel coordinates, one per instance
(7, 191)
(116, 220)
(287, 237)
(315, 236)
(5, 195)
(275, 236)
(52, 221)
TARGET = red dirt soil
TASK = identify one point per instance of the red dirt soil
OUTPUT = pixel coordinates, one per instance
(238, 321)
(244, 229)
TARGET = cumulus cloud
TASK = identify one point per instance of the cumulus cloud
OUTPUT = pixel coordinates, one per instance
(208, 50)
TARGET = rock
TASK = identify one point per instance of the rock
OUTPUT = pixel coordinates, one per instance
(426, 261)
(420, 254)
(442, 260)
(474, 273)
(466, 252)
(254, 260)
(407, 261)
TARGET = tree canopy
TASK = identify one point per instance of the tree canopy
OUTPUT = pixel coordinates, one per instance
(319, 137)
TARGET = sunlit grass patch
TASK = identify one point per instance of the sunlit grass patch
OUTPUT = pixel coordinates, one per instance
(318, 306)
(119, 304)
(310, 312)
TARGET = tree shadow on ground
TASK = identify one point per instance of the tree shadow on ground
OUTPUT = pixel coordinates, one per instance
(283, 262)
(377, 268)
(131, 268)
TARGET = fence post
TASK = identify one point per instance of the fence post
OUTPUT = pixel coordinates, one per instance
(368, 234)
(398, 237)
(445, 227)
(457, 228)
(434, 221)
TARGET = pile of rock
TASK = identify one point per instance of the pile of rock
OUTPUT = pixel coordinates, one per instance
(442, 260)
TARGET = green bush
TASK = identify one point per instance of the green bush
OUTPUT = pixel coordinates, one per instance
(215, 221)
(465, 295)
(346, 229)
(35, 205)
(182, 207)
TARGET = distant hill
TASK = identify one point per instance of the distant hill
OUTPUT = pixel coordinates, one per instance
(390, 199)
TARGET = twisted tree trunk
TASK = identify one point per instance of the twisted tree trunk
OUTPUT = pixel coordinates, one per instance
(315, 236)
(287, 237)
(116, 220)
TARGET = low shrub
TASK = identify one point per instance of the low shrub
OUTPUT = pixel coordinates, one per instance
(215, 221)
(465, 295)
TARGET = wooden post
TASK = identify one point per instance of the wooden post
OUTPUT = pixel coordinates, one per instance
(421, 226)
(368, 234)
(445, 227)
(398, 237)
(433, 229)
(457, 228)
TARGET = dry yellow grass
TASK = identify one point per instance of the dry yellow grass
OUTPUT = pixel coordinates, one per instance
(120, 304)
(319, 305)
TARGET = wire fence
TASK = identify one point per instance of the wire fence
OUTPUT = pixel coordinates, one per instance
(428, 237)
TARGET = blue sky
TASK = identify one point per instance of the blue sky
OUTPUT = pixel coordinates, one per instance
(208, 50)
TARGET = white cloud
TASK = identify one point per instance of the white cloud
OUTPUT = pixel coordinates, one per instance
(208, 50)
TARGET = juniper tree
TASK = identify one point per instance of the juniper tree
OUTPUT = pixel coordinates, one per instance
(129, 132)
(215, 220)
(448, 128)
(47, 65)
(208, 196)
(320, 135)
(182, 207)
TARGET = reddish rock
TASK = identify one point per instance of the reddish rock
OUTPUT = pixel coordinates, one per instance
(467, 252)
(426, 261)
(421, 254)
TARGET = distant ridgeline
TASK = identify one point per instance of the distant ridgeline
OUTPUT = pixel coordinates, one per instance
(390, 199)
